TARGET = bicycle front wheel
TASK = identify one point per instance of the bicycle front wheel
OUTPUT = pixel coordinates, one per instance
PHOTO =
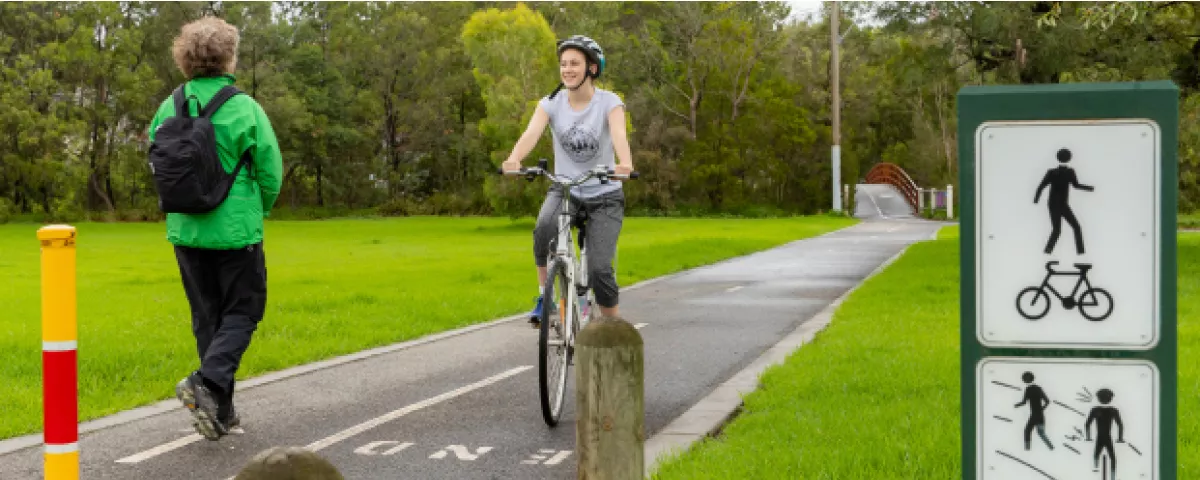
(552, 343)
(1095, 304)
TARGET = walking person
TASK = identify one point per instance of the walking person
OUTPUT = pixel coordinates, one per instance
(1038, 401)
(1060, 180)
(218, 249)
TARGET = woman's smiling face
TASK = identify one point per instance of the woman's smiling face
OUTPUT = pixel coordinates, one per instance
(571, 67)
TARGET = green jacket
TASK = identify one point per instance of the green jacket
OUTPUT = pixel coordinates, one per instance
(240, 124)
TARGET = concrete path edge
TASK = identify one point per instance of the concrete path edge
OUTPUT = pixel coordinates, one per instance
(708, 416)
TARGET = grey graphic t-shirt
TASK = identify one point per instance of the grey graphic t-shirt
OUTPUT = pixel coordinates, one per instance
(582, 139)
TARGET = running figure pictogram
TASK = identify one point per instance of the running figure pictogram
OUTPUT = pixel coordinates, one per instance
(1038, 401)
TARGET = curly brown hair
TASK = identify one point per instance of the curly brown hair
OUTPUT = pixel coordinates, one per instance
(207, 46)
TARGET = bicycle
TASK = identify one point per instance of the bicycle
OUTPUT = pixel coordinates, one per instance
(1090, 297)
(564, 309)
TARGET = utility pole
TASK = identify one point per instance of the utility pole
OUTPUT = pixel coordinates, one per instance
(834, 86)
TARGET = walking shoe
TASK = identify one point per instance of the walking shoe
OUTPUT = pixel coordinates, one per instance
(536, 314)
(232, 420)
(202, 404)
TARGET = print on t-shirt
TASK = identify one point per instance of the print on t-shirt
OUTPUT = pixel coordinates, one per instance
(581, 143)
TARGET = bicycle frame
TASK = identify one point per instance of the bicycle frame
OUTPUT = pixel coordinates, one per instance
(1051, 273)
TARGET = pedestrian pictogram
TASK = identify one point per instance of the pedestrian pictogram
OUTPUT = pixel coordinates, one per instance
(1104, 416)
(1061, 180)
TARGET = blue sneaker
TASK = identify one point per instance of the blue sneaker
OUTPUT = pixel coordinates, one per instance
(536, 314)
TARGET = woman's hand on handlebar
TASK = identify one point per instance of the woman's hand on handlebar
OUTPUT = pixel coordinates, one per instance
(511, 165)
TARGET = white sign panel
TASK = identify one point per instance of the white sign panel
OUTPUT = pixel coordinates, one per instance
(1065, 419)
(1067, 219)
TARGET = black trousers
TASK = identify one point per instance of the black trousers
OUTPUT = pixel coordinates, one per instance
(227, 291)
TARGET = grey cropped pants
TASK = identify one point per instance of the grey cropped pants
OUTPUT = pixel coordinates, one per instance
(604, 215)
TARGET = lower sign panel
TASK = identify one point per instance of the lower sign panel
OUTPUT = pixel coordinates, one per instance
(1066, 419)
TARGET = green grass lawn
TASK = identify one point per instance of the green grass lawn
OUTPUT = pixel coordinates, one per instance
(335, 287)
(1188, 220)
(876, 395)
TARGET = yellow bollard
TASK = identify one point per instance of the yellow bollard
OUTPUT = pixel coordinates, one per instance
(59, 334)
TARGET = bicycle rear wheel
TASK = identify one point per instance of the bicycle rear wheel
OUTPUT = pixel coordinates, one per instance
(1033, 303)
(557, 312)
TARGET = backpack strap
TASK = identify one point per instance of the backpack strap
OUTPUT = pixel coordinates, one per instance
(247, 157)
(181, 109)
(225, 93)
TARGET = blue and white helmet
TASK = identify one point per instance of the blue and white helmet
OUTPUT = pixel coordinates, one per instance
(590, 49)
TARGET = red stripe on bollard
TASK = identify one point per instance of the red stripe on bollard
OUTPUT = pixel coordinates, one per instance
(59, 397)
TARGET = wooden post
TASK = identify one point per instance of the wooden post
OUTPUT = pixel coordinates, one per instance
(950, 201)
(609, 391)
(288, 462)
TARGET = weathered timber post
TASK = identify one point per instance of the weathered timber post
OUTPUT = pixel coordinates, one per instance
(609, 390)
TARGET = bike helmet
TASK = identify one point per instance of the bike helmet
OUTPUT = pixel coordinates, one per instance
(591, 50)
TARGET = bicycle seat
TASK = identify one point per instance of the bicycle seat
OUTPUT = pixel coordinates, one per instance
(1083, 267)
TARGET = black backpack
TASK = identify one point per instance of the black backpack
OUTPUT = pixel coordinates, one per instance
(184, 162)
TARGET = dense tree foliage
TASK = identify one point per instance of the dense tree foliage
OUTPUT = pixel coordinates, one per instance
(408, 107)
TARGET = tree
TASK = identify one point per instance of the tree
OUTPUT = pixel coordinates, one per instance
(515, 65)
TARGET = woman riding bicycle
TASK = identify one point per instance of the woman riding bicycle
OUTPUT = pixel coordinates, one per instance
(587, 126)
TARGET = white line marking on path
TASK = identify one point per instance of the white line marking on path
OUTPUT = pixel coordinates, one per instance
(873, 202)
(236, 430)
(369, 449)
(375, 422)
(555, 460)
(161, 449)
(350, 432)
(734, 289)
(463, 453)
(640, 325)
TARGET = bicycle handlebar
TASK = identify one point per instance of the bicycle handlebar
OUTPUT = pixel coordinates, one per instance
(599, 172)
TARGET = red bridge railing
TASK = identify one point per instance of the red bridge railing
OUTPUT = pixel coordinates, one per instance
(892, 174)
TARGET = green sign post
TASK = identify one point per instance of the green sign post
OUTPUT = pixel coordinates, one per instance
(1068, 315)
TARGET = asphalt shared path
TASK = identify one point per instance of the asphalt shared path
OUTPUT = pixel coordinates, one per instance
(464, 404)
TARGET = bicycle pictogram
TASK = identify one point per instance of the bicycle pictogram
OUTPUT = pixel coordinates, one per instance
(1094, 303)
